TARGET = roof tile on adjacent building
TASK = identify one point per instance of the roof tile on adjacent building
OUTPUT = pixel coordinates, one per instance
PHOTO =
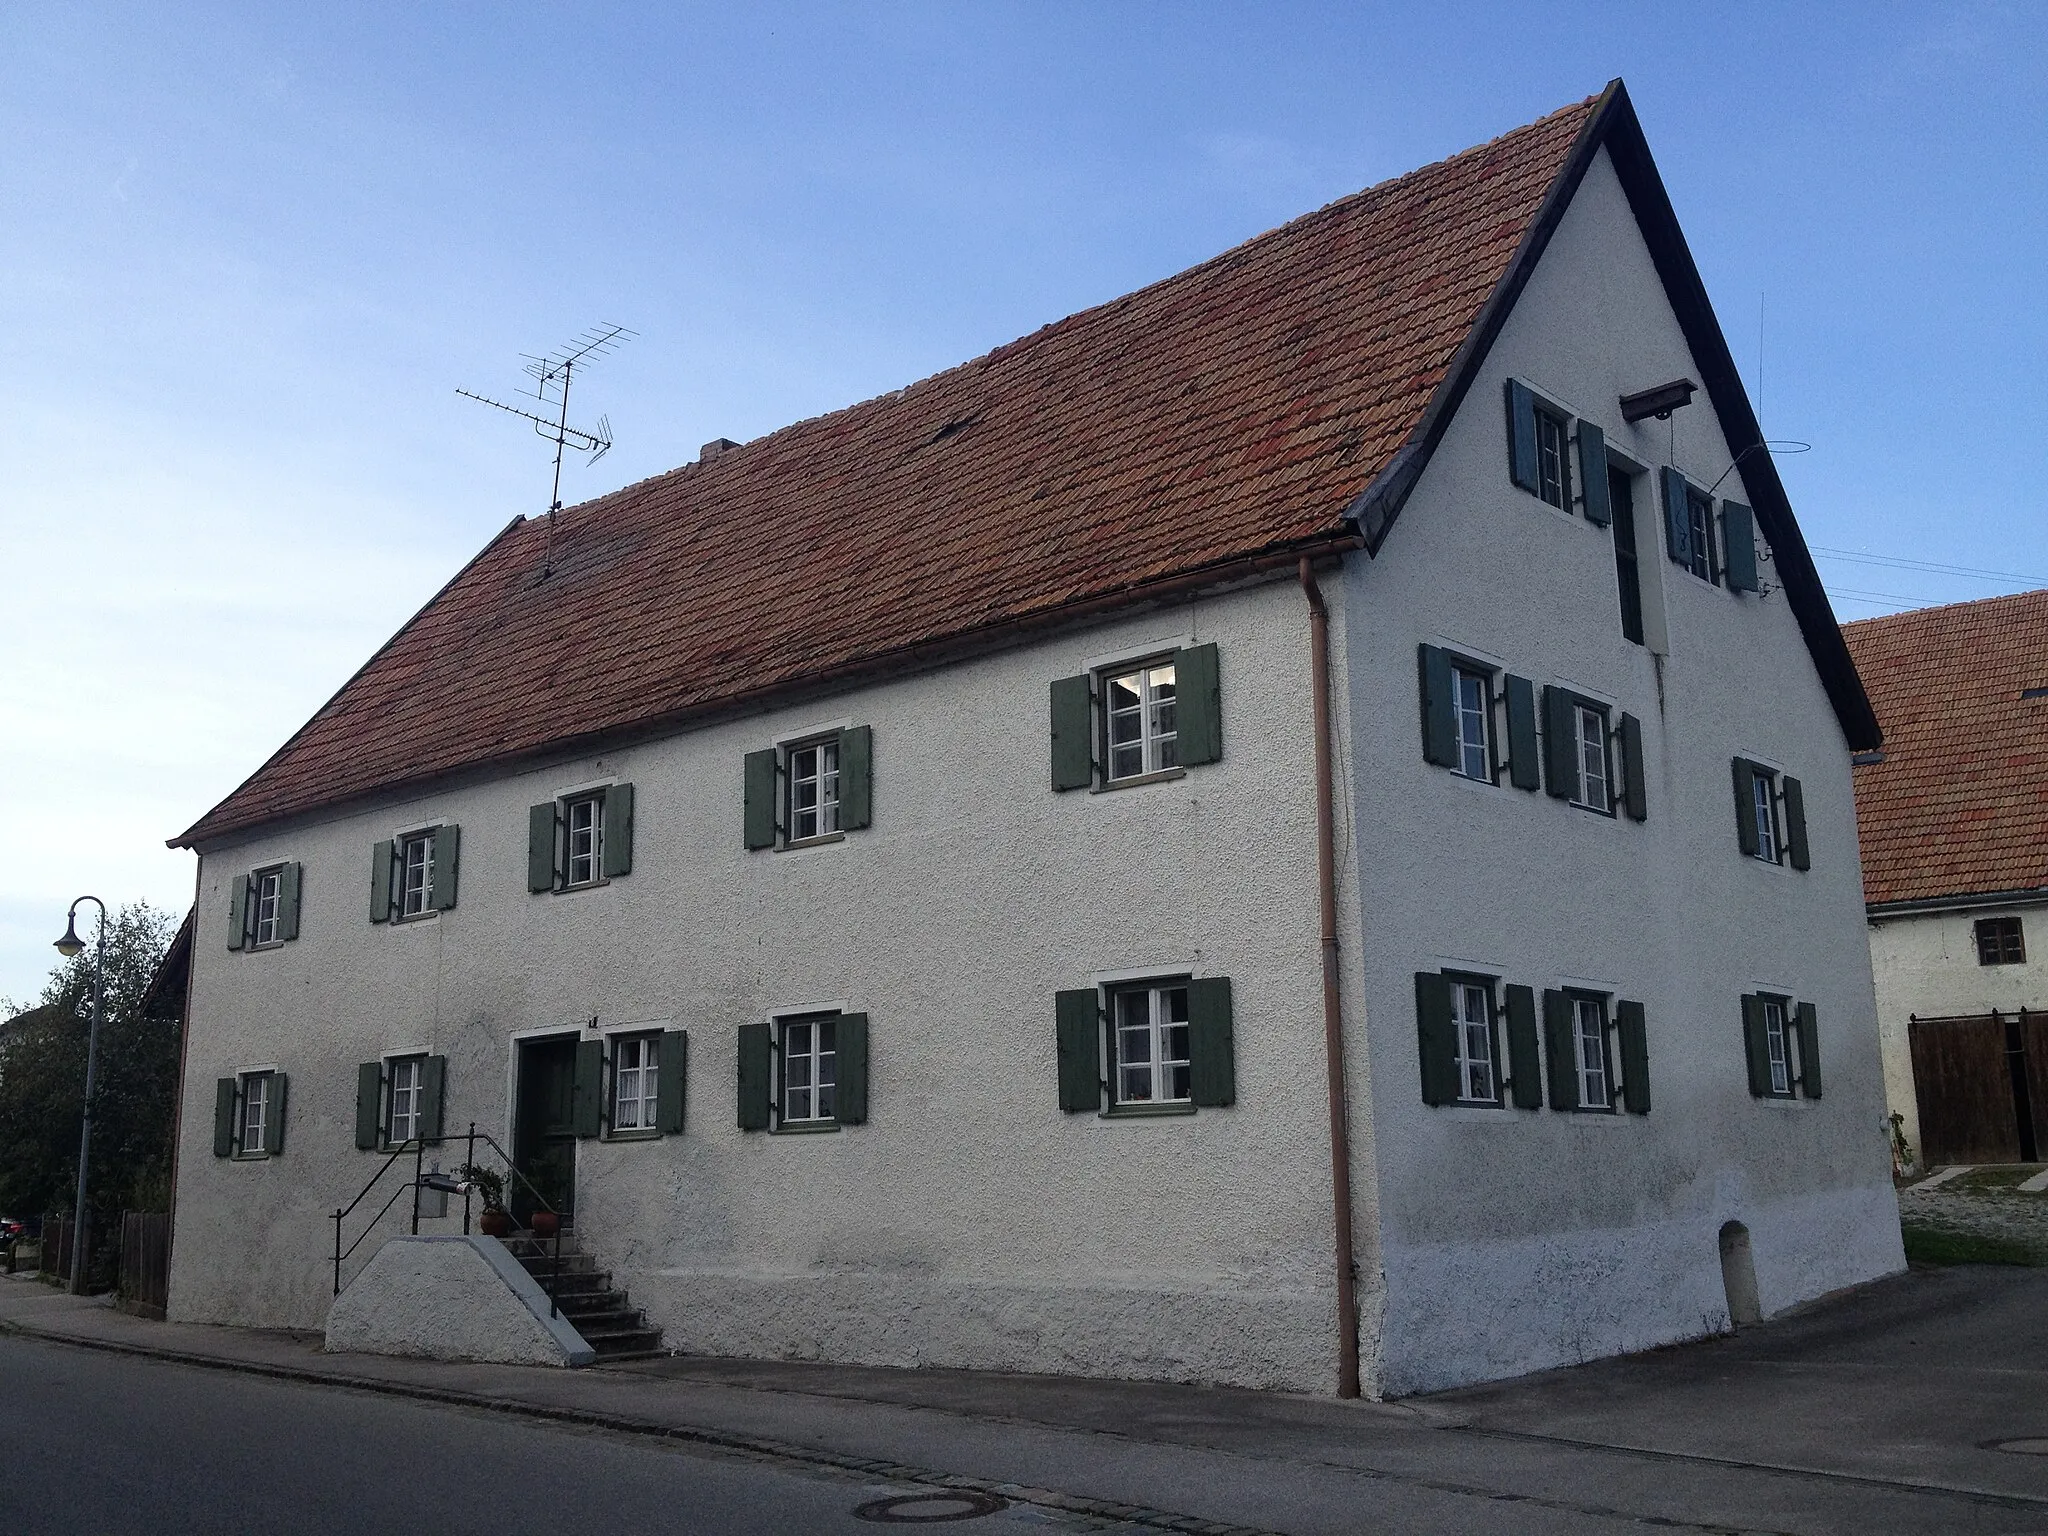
(1958, 803)
(1229, 412)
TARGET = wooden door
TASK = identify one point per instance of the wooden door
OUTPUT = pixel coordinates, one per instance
(1963, 1081)
(544, 1126)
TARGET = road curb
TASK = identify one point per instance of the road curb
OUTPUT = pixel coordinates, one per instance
(745, 1445)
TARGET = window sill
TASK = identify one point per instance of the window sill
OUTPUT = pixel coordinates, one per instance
(1144, 1111)
(804, 1128)
(250, 1157)
(1163, 776)
(409, 919)
(633, 1135)
(790, 845)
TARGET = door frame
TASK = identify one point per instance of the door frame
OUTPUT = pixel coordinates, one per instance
(573, 1033)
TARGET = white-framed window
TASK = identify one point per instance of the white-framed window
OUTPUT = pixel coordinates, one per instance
(1763, 809)
(1699, 512)
(1589, 1041)
(1472, 1018)
(809, 1053)
(252, 1135)
(585, 832)
(636, 1067)
(1595, 788)
(1553, 468)
(1150, 1037)
(416, 874)
(266, 890)
(813, 779)
(1138, 716)
(404, 1098)
(1472, 720)
(1777, 1046)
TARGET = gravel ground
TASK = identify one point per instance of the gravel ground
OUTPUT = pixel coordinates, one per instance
(1984, 1202)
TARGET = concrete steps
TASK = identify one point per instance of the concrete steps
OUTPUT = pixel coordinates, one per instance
(605, 1315)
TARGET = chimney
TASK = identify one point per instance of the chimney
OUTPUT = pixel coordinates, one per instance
(714, 448)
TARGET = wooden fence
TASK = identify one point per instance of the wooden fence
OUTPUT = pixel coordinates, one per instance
(145, 1263)
(53, 1258)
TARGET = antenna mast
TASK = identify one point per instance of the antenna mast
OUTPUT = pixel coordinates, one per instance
(556, 372)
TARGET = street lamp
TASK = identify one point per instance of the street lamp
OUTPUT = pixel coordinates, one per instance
(68, 946)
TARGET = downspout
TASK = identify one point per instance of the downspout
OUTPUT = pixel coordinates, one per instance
(1333, 997)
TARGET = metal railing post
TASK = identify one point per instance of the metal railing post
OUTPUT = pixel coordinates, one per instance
(555, 1280)
(337, 1252)
(419, 1154)
(468, 1162)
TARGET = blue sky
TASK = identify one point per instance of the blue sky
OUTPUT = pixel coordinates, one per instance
(246, 255)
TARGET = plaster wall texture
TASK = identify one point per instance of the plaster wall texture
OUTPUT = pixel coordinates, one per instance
(1513, 1240)
(1926, 964)
(451, 1298)
(969, 1222)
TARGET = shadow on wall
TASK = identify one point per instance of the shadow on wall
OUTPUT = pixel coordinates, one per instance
(1738, 1275)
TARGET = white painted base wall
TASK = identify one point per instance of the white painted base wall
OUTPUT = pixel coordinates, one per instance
(451, 1298)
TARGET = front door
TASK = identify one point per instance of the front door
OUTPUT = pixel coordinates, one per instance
(544, 1126)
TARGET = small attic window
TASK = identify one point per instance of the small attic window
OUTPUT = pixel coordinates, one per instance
(2034, 693)
(1865, 759)
(954, 427)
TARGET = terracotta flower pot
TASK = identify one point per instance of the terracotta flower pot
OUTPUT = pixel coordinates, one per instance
(546, 1223)
(494, 1224)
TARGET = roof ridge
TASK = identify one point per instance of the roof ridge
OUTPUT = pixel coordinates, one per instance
(1931, 609)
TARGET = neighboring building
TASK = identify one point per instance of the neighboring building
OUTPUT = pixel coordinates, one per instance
(942, 774)
(1953, 815)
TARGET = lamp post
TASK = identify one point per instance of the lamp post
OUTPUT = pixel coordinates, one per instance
(69, 946)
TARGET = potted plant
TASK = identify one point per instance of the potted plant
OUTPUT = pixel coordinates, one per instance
(489, 1185)
(545, 1223)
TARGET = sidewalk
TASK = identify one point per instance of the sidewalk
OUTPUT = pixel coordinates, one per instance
(1873, 1411)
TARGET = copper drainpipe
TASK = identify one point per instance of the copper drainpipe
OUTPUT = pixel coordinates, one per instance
(1333, 998)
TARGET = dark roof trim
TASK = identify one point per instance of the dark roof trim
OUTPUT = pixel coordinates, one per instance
(184, 838)
(166, 987)
(1227, 576)
(1615, 127)
(2032, 896)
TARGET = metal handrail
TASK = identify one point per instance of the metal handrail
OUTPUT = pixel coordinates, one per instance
(511, 1167)
(418, 1147)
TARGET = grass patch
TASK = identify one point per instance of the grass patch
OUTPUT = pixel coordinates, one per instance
(1935, 1245)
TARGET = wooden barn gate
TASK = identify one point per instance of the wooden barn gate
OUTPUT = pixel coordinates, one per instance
(1981, 1080)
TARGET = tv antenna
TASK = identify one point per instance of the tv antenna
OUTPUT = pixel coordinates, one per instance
(552, 376)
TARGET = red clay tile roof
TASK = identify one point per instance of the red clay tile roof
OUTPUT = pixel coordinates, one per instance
(1959, 805)
(1230, 412)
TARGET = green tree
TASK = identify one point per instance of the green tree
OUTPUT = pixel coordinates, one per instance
(42, 1084)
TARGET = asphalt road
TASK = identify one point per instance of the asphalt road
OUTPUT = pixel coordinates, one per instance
(111, 1444)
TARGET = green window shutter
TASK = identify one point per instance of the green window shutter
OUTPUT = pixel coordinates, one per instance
(447, 866)
(618, 831)
(1073, 732)
(433, 1093)
(383, 866)
(1436, 1038)
(1634, 1031)
(1738, 546)
(1560, 744)
(1525, 766)
(760, 817)
(540, 846)
(1198, 705)
(1562, 1049)
(1212, 1062)
(288, 902)
(1521, 435)
(1439, 731)
(238, 912)
(850, 1090)
(587, 1097)
(1809, 1049)
(1756, 1045)
(1677, 517)
(273, 1126)
(225, 1102)
(1795, 823)
(856, 778)
(1745, 804)
(1078, 1014)
(1525, 1057)
(756, 1076)
(1593, 474)
(1635, 793)
(369, 1104)
(672, 1068)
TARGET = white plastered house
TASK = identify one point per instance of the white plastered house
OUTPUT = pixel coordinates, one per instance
(1196, 845)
